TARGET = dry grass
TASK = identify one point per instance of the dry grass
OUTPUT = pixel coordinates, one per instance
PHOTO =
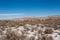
(13, 35)
(48, 31)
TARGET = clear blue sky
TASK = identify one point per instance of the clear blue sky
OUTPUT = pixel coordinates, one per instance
(20, 8)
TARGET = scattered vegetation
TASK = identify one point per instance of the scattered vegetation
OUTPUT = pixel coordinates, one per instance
(30, 28)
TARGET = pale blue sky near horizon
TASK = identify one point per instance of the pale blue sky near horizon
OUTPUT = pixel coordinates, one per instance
(22, 8)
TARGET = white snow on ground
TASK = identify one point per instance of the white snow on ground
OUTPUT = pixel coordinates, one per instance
(57, 38)
(21, 28)
(56, 30)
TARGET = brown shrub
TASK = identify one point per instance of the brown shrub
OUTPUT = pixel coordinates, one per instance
(49, 38)
(48, 31)
(59, 33)
(40, 31)
(43, 37)
(31, 38)
(46, 37)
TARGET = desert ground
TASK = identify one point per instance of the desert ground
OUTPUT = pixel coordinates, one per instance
(30, 28)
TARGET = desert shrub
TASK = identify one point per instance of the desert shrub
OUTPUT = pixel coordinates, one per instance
(0, 31)
(46, 37)
(32, 38)
(43, 37)
(49, 38)
(10, 35)
(40, 31)
(48, 31)
(22, 37)
(59, 33)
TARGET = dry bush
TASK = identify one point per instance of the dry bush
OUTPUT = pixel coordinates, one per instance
(10, 35)
(43, 37)
(14, 35)
(46, 37)
(2, 28)
(2, 37)
(22, 37)
(59, 33)
(0, 31)
(49, 38)
(48, 31)
(31, 38)
(40, 31)
(27, 28)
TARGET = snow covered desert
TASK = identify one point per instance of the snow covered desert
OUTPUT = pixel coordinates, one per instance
(31, 30)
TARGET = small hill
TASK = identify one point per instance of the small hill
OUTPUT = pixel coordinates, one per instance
(50, 20)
